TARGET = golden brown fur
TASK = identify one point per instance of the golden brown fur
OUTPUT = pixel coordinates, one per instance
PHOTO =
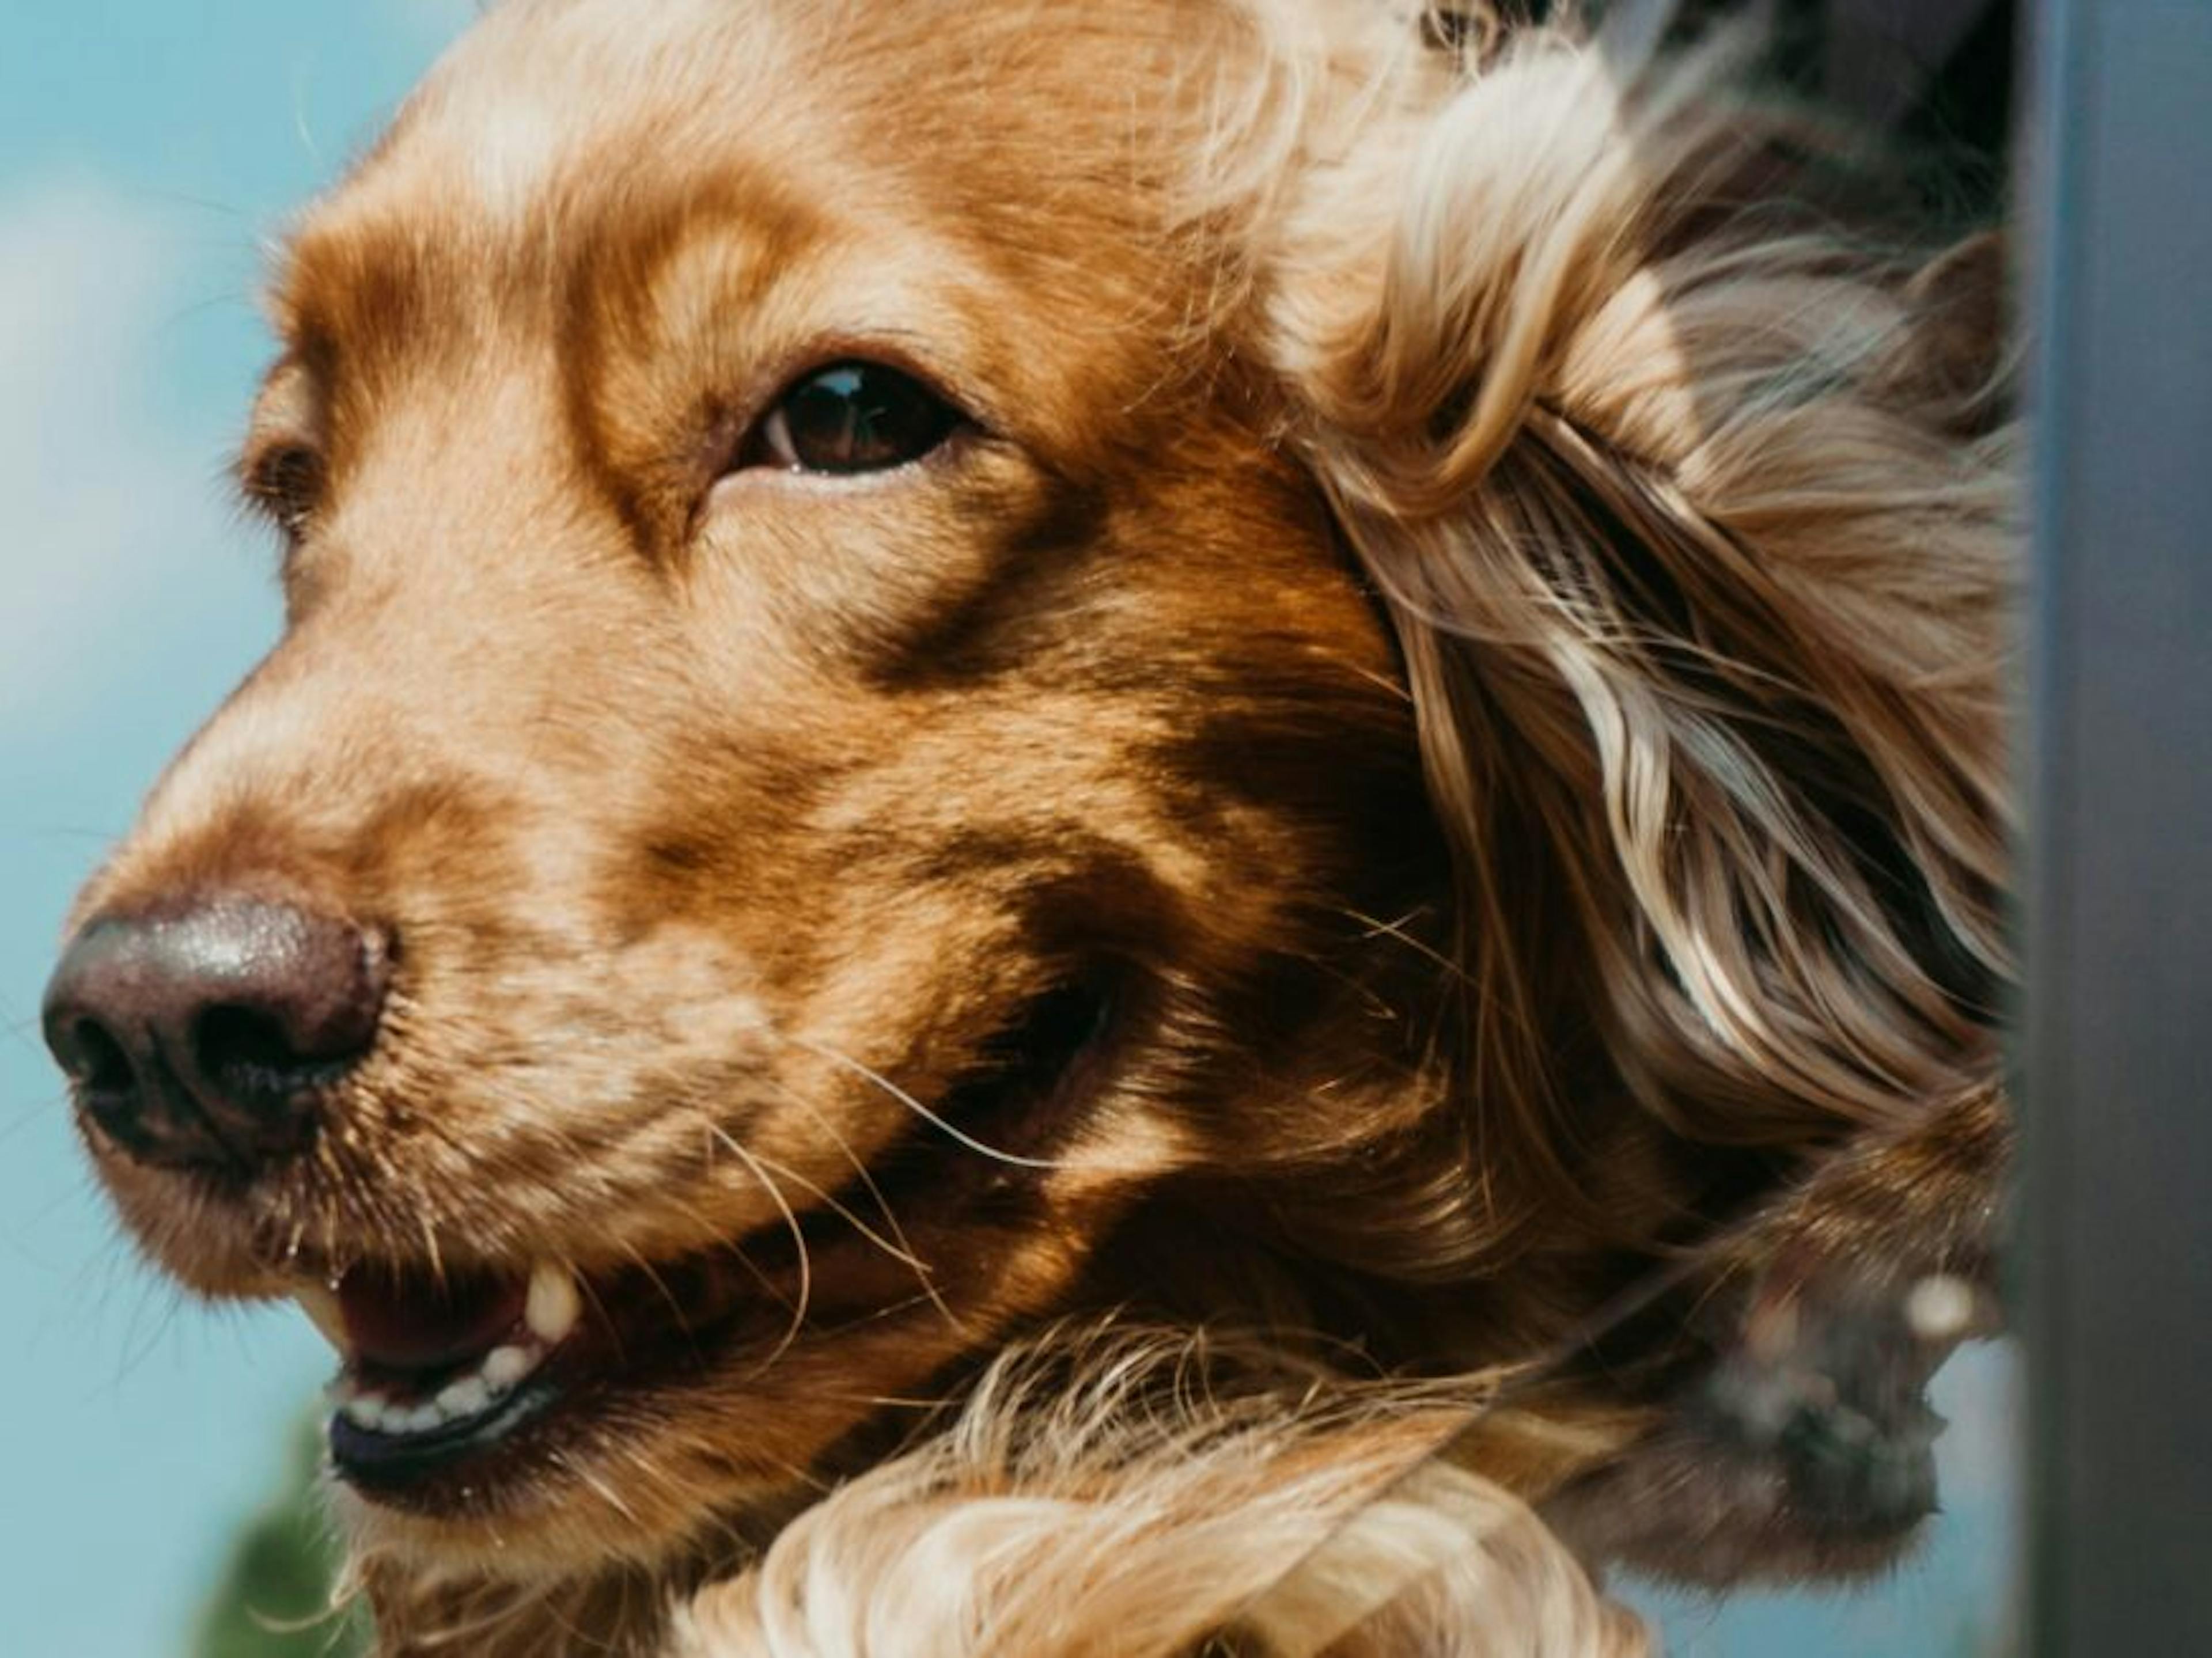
(1476, 626)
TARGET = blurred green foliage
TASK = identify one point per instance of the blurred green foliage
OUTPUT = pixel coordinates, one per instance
(274, 1598)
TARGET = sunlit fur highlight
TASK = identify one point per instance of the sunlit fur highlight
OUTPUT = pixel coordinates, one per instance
(1138, 1513)
(1690, 520)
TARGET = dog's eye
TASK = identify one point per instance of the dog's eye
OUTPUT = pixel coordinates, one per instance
(286, 482)
(852, 418)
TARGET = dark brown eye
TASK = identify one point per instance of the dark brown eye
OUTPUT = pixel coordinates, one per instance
(286, 482)
(852, 418)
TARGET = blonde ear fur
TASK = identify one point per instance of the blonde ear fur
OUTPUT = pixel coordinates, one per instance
(1702, 592)
(1139, 1516)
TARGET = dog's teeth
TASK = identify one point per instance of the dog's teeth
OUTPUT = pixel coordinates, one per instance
(505, 1366)
(551, 1311)
(554, 1307)
(321, 1307)
(465, 1398)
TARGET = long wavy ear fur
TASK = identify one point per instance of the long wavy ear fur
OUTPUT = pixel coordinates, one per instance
(1135, 1514)
(1695, 525)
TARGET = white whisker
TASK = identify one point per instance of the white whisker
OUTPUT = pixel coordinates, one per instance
(798, 1237)
(953, 1131)
(904, 1250)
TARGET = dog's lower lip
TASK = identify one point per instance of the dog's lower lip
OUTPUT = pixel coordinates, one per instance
(373, 1460)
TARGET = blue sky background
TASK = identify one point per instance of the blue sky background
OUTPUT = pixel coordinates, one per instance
(147, 148)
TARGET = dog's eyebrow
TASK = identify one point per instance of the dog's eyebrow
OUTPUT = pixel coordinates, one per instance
(743, 281)
(366, 288)
(741, 219)
(288, 400)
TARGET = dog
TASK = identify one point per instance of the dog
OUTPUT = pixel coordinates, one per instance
(1087, 828)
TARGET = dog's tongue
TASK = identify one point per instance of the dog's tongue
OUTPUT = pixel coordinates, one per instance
(420, 1324)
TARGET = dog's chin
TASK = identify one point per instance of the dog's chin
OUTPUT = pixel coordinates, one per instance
(536, 1412)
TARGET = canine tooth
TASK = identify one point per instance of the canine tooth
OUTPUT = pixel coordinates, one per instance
(365, 1410)
(505, 1366)
(465, 1397)
(321, 1307)
(554, 1306)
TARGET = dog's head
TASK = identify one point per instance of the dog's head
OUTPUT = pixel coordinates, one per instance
(921, 635)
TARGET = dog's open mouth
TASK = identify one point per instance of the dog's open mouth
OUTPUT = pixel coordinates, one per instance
(443, 1376)
(446, 1375)
(436, 1371)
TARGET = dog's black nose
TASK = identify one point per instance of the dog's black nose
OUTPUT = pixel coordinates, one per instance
(208, 1037)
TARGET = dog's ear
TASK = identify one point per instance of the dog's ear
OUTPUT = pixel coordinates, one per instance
(1696, 528)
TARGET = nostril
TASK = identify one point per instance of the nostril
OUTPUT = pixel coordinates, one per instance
(247, 1054)
(98, 1061)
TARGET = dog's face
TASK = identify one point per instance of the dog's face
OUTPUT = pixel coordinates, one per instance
(776, 584)
(952, 667)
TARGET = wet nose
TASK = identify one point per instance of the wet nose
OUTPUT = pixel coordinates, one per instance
(209, 1037)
